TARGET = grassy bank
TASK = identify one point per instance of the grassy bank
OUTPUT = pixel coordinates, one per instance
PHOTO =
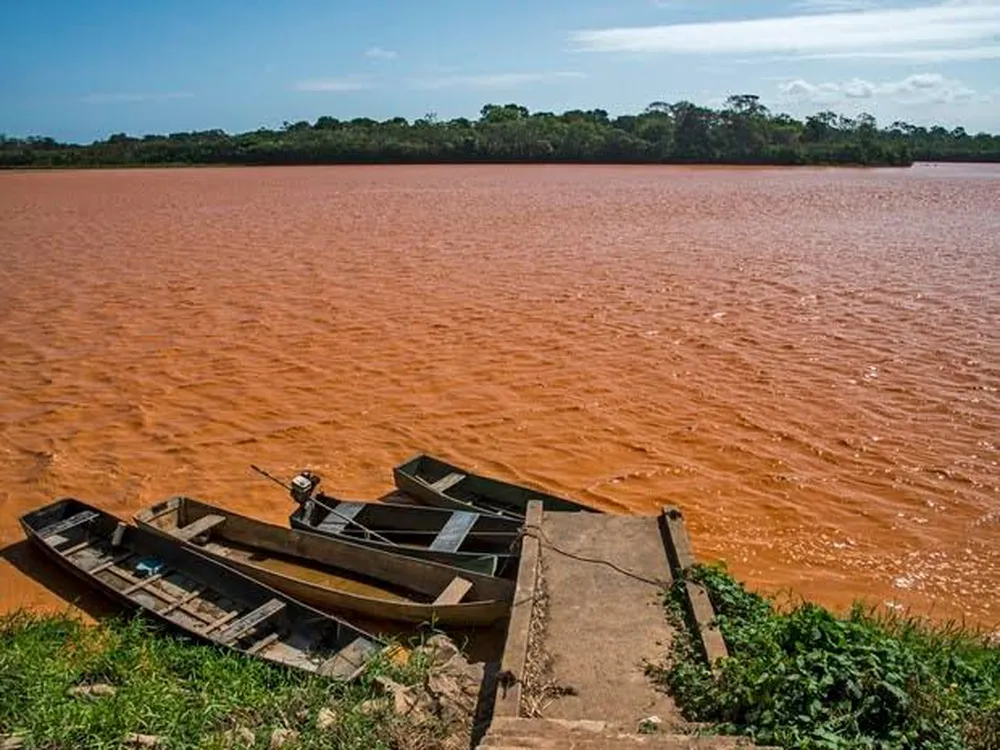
(191, 696)
(801, 677)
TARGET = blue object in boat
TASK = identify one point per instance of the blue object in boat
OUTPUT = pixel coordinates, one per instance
(148, 566)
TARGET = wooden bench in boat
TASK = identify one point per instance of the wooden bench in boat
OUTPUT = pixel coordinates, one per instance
(454, 592)
(348, 660)
(447, 482)
(199, 527)
(338, 519)
(453, 533)
(249, 621)
(78, 519)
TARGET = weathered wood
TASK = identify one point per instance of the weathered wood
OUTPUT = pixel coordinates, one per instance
(306, 636)
(410, 530)
(251, 620)
(144, 583)
(77, 519)
(75, 548)
(425, 479)
(219, 622)
(454, 592)
(263, 643)
(116, 560)
(453, 534)
(336, 522)
(346, 662)
(447, 482)
(515, 652)
(189, 596)
(199, 527)
(321, 571)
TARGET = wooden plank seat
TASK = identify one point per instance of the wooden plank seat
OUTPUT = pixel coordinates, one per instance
(263, 643)
(199, 527)
(453, 533)
(76, 548)
(179, 603)
(143, 583)
(110, 564)
(77, 519)
(250, 620)
(454, 592)
(218, 622)
(337, 520)
(348, 660)
(447, 482)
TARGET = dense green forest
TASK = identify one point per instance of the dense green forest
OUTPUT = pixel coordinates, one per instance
(744, 131)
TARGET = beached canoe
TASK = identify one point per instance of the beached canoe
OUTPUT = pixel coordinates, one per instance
(435, 482)
(174, 584)
(332, 574)
(478, 542)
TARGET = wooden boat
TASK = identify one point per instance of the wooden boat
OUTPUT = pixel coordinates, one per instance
(434, 482)
(174, 584)
(332, 574)
(481, 543)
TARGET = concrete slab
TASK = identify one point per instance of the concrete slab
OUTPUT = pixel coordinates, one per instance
(603, 623)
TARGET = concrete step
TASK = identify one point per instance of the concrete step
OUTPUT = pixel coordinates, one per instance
(614, 742)
(554, 734)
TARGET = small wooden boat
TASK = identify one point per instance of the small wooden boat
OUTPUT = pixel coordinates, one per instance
(481, 543)
(174, 584)
(435, 482)
(332, 574)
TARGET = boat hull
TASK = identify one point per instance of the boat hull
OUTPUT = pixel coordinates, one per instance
(177, 587)
(334, 575)
(490, 547)
(437, 483)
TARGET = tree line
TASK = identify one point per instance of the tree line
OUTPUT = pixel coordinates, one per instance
(743, 131)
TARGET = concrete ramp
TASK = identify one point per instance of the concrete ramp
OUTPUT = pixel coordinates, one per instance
(587, 619)
(603, 578)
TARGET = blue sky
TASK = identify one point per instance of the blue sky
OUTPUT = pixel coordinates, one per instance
(82, 69)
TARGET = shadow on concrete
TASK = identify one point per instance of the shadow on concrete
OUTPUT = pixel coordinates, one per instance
(23, 556)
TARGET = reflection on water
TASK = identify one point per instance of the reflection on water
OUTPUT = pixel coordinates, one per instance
(806, 361)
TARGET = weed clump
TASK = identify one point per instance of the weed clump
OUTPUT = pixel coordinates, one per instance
(164, 686)
(804, 678)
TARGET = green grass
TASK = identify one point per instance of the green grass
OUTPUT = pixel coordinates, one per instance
(186, 693)
(801, 677)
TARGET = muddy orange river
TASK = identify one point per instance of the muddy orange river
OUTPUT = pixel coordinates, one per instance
(805, 361)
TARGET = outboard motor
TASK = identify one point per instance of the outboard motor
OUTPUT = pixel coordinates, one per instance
(303, 485)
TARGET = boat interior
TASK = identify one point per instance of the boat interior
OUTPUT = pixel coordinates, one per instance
(196, 594)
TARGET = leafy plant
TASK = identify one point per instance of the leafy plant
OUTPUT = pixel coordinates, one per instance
(804, 678)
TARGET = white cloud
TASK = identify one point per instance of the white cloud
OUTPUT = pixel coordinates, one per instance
(923, 88)
(946, 28)
(493, 80)
(343, 84)
(833, 6)
(379, 53)
(955, 54)
(135, 98)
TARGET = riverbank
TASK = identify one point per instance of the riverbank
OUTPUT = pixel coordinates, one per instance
(742, 132)
(797, 677)
(800, 677)
(64, 684)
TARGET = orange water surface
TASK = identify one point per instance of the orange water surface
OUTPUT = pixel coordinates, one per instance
(805, 361)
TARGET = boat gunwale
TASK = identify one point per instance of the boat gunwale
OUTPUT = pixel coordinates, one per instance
(410, 611)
